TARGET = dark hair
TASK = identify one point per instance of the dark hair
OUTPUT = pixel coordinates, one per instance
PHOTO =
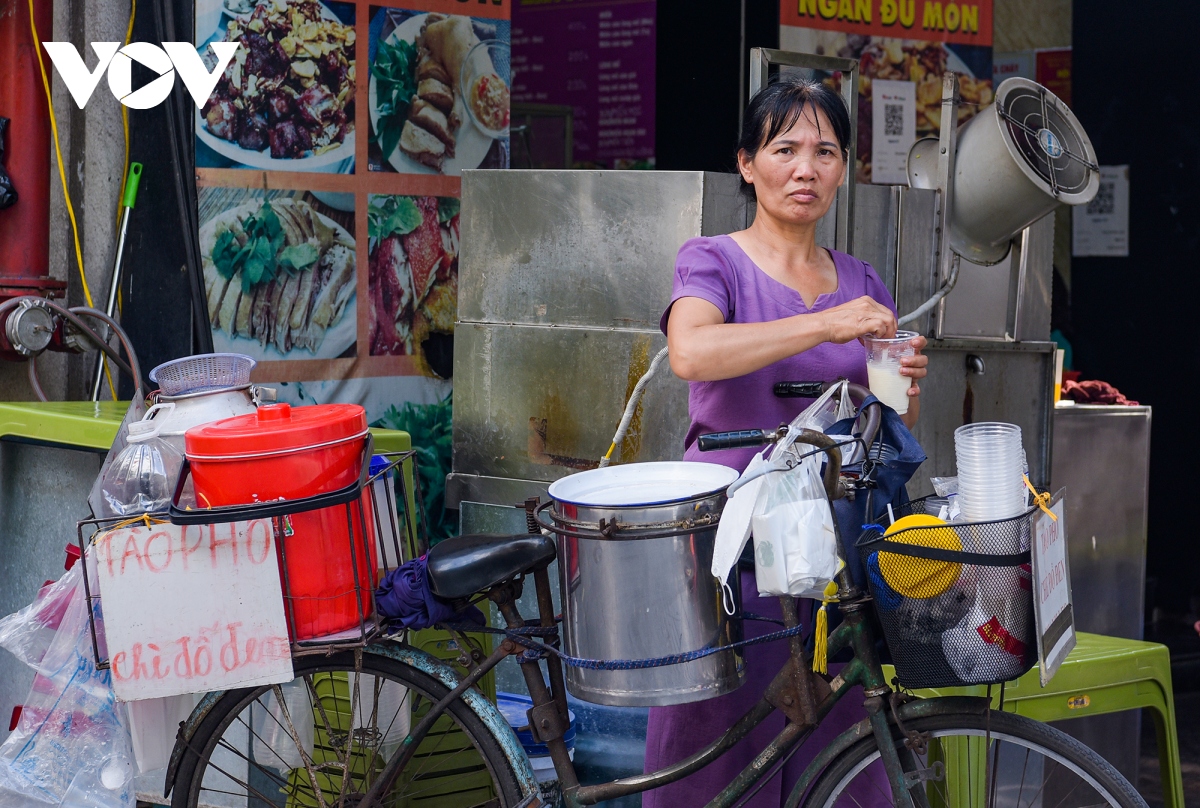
(778, 106)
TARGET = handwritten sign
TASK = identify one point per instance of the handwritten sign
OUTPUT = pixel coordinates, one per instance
(190, 609)
(1052, 589)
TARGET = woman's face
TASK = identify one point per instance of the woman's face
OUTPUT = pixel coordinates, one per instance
(796, 175)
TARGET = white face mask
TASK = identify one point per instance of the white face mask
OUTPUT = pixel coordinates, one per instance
(734, 529)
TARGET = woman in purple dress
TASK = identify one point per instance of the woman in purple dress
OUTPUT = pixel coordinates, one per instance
(749, 309)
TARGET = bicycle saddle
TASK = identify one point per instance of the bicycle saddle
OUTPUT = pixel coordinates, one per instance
(461, 566)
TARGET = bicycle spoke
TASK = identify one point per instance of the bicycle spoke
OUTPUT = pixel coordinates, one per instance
(229, 776)
(355, 711)
(1024, 771)
(269, 771)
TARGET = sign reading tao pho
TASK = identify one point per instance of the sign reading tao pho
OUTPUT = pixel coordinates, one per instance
(192, 609)
(171, 58)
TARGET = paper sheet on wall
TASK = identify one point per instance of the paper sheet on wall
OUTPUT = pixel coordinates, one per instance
(1101, 227)
(894, 129)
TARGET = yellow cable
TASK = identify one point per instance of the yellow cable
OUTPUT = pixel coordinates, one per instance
(62, 177)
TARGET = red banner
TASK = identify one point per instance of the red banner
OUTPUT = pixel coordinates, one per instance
(968, 23)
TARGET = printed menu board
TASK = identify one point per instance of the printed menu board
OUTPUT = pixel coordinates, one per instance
(597, 57)
(900, 42)
(329, 162)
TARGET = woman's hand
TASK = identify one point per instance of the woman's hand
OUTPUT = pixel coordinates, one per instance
(916, 367)
(859, 318)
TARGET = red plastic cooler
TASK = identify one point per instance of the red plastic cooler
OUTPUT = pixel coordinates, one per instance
(281, 452)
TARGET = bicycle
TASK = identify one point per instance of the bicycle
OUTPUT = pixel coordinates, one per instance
(457, 749)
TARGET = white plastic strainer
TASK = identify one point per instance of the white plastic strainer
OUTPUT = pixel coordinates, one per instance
(193, 374)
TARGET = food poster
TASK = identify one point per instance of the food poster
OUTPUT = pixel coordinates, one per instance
(329, 162)
(597, 57)
(438, 94)
(910, 41)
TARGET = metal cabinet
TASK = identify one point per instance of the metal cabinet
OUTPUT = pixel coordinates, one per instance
(1102, 458)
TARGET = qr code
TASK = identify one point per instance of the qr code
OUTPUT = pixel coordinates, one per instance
(893, 120)
(1102, 203)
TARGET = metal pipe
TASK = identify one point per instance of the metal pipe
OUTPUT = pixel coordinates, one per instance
(928, 305)
(128, 199)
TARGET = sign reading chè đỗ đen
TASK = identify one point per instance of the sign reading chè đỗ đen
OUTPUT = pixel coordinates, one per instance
(192, 609)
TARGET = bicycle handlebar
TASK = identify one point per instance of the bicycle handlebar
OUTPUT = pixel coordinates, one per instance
(715, 441)
(735, 440)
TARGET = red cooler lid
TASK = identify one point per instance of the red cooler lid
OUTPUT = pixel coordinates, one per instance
(274, 427)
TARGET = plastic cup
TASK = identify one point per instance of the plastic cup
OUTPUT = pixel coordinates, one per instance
(883, 369)
(991, 465)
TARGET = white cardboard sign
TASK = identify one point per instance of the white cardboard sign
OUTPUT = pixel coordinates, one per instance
(1052, 589)
(191, 609)
(893, 129)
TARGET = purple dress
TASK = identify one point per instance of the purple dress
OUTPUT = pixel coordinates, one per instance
(717, 270)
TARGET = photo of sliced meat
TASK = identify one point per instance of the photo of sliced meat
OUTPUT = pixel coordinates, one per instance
(424, 248)
(391, 296)
(297, 294)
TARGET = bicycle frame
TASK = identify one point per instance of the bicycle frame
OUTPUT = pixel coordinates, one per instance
(792, 692)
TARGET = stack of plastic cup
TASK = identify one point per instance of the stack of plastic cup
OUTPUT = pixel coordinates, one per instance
(991, 465)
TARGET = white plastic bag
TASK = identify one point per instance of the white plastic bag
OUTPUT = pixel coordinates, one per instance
(734, 528)
(990, 644)
(795, 548)
(272, 740)
(72, 745)
(153, 725)
(390, 707)
(28, 634)
(851, 452)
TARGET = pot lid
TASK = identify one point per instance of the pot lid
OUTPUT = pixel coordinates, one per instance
(276, 426)
(642, 484)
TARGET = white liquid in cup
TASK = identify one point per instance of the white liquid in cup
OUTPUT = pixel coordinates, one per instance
(888, 385)
(883, 369)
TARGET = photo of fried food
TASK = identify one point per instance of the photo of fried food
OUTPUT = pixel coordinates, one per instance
(438, 102)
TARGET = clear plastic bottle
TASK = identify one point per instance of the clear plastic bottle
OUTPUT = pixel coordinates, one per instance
(142, 477)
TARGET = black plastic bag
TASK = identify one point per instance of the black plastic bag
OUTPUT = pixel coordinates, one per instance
(8, 194)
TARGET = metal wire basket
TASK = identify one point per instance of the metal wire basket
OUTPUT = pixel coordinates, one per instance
(195, 374)
(394, 526)
(955, 601)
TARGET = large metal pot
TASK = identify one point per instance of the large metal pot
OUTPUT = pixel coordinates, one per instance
(634, 554)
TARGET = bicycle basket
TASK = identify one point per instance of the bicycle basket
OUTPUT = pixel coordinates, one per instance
(955, 600)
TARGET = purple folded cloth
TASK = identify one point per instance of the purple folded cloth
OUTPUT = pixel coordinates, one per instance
(404, 598)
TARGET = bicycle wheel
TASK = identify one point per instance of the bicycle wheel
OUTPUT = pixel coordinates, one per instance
(999, 760)
(247, 751)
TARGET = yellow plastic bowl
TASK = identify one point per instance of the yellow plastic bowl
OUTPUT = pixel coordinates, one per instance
(920, 577)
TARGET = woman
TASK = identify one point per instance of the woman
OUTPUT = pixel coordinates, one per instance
(750, 309)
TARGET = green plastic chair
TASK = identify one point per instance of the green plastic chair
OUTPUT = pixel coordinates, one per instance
(1101, 675)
